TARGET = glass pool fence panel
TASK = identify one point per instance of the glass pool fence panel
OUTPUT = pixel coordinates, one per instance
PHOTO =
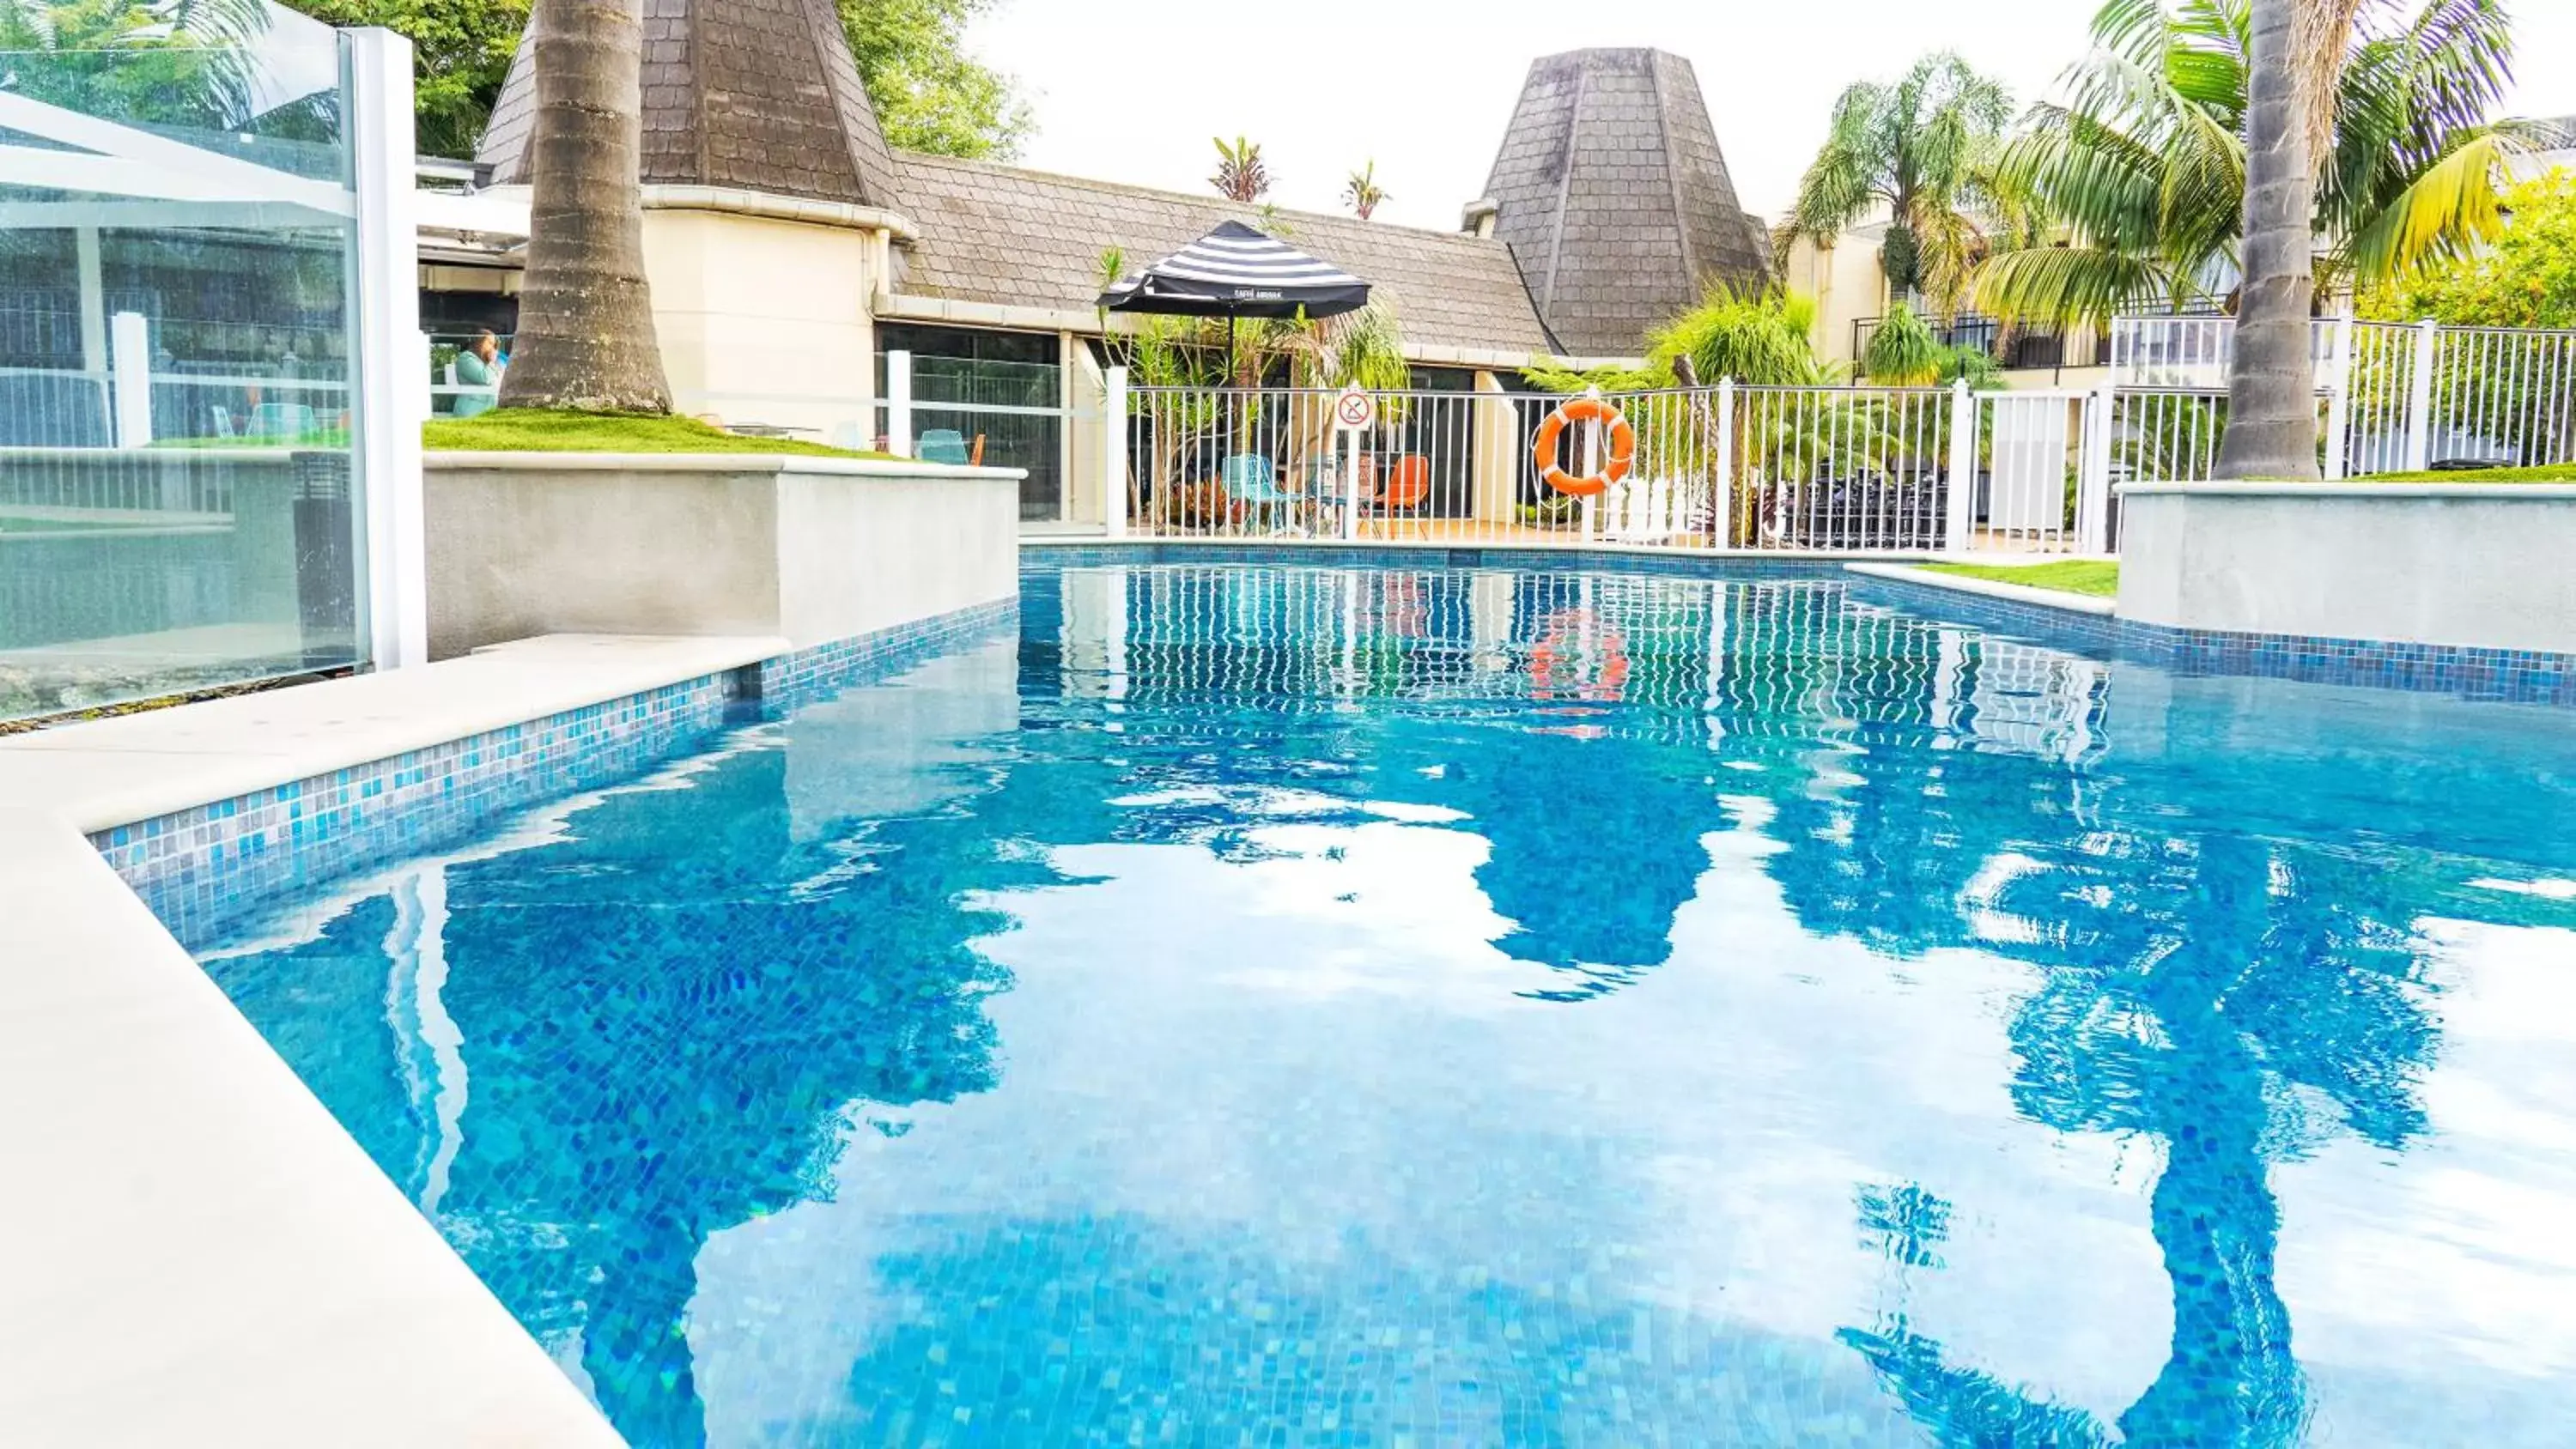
(179, 500)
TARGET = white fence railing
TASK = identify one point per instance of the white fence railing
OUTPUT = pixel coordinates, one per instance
(1843, 469)
(2397, 397)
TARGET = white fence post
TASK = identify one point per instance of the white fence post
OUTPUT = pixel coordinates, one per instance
(1723, 491)
(1346, 441)
(129, 351)
(1591, 454)
(388, 402)
(899, 404)
(2093, 479)
(1113, 450)
(2419, 396)
(2338, 382)
(1963, 468)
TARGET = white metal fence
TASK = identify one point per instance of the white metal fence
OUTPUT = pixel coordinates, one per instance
(2394, 397)
(1843, 470)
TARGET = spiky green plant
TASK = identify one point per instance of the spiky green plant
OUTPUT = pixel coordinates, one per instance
(1903, 352)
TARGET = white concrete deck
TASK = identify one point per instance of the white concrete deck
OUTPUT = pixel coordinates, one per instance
(192, 1251)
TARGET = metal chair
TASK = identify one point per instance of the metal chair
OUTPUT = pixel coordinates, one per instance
(1252, 484)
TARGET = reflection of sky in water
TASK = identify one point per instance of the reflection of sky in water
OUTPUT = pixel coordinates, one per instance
(1276, 1001)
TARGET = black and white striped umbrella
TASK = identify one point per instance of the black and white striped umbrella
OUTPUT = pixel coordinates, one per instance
(1235, 271)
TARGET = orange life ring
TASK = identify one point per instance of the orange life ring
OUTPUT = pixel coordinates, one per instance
(1623, 447)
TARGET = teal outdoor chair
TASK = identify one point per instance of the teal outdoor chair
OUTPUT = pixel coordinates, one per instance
(943, 445)
(1252, 484)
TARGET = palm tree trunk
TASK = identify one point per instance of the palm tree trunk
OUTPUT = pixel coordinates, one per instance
(2272, 383)
(586, 337)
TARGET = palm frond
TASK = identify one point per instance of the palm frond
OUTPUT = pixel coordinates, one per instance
(2064, 286)
(2455, 206)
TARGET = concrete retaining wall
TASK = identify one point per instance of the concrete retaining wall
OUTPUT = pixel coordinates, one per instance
(811, 550)
(2488, 566)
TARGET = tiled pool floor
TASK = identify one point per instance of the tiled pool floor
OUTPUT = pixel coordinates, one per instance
(1413, 1007)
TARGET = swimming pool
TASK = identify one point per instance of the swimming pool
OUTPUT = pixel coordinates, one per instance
(1414, 1006)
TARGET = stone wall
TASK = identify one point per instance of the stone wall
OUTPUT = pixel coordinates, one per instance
(2488, 566)
(808, 550)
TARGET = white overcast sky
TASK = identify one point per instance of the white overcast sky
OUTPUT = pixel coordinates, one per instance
(1132, 90)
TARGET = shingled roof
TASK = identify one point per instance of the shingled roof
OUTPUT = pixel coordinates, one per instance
(1611, 190)
(992, 233)
(759, 95)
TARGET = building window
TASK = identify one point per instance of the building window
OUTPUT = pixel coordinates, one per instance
(1006, 388)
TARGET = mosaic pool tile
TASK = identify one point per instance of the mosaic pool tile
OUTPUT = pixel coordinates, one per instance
(201, 869)
(1432, 1007)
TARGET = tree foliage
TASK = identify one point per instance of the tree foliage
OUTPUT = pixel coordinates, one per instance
(1756, 336)
(2142, 159)
(2527, 279)
(930, 94)
(461, 53)
(1923, 148)
(170, 62)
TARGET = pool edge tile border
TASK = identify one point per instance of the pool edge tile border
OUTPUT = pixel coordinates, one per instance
(2484, 674)
(207, 867)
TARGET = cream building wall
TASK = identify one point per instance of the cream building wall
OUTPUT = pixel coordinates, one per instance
(1847, 283)
(766, 319)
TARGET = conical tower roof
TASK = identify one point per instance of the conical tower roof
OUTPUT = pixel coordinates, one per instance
(1615, 199)
(760, 95)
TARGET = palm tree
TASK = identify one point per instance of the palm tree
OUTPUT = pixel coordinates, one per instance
(586, 336)
(2294, 53)
(2144, 159)
(1240, 176)
(1362, 194)
(1922, 149)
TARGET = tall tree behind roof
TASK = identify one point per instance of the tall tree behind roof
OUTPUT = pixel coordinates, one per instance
(460, 54)
(1923, 149)
(930, 94)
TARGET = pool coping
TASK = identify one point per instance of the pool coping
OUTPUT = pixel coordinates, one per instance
(2073, 603)
(247, 1264)
(227, 1261)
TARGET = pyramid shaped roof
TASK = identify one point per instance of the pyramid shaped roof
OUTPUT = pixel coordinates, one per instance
(759, 95)
(1615, 199)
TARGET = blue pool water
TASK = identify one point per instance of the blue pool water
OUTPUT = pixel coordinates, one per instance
(1393, 1007)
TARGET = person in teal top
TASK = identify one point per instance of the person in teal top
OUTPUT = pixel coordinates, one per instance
(479, 366)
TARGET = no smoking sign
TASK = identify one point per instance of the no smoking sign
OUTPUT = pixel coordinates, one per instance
(1355, 410)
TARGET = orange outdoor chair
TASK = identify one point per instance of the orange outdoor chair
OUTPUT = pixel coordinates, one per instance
(1408, 485)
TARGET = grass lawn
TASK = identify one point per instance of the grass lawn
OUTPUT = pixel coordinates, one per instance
(517, 430)
(2554, 473)
(2071, 576)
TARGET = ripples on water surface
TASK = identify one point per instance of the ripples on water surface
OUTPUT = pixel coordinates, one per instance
(1380, 1007)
